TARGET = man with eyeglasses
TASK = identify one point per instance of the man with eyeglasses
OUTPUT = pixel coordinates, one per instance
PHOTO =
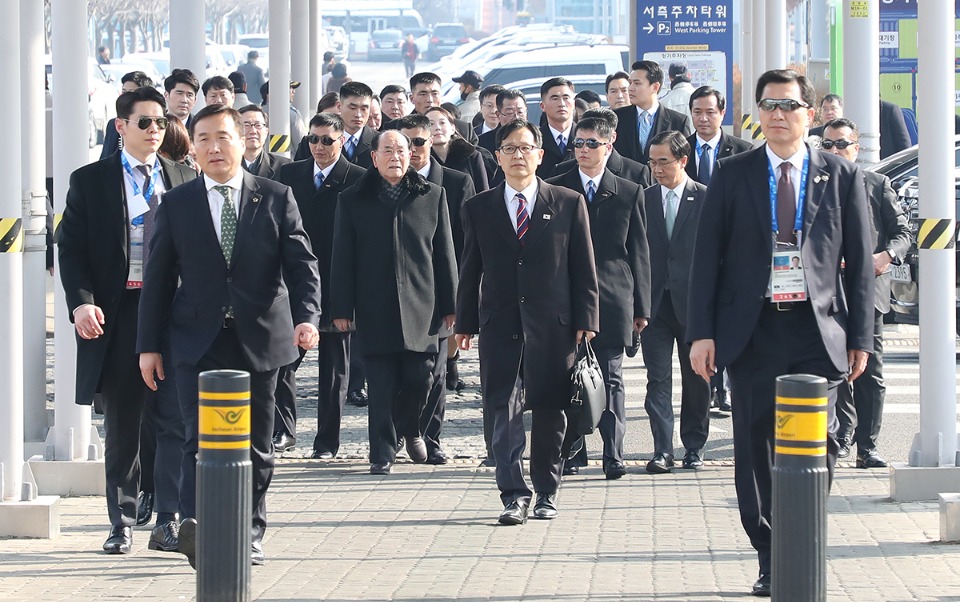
(646, 117)
(556, 102)
(394, 276)
(317, 183)
(528, 287)
(860, 409)
(256, 158)
(458, 187)
(622, 257)
(488, 110)
(763, 207)
(511, 105)
(107, 227)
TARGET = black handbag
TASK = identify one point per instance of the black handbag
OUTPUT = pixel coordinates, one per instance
(588, 396)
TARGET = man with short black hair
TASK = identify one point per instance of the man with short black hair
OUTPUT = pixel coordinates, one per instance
(240, 98)
(831, 107)
(394, 101)
(511, 105)
(425, 93)
(617, 86)
(376, 113)
(488, 110)
(253, 73)
(678, 98)
(111, 137)
(646, 117)
(256, 133)
(556, 102)
(180, 92)
(218, 90)
(621, 166)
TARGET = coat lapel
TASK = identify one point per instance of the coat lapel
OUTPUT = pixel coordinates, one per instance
(250, 198)
(113, 188)
(816, 183)
(608, 187)
(502, 221)
(685, 208)
(656, 223)
(543, 213)
(760, 188)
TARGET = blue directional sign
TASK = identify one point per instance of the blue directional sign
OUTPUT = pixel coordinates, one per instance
(698, 34)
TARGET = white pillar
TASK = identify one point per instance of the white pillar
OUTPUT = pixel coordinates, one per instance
(34, 194)
(279, 101)
(776, 33)
(315, 91)
(300, 45)
(188, 38)
(861, 73)
(68, 19)
(748, 76)
(935, 81)
(820, 29)
(760, 40)
(11, 266)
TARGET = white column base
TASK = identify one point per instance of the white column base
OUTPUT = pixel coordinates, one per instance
(38, 518)
(950, 517)
(922, 483)
(69, 478)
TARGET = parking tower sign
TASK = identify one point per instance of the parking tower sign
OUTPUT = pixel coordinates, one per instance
(698, 34)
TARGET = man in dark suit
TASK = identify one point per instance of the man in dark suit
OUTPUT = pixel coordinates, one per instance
(111, 137)
(109, 218)
(645, 117)
(894, 136)
(394, 273)
(557, 104)
(511, 105)
(316, 184)
(180, 92)
(234, 241)
(355, 100)
(425, 93)
(890, 235)
(772, 202)
(620, 250)
(256, 132)
(673, 208)
(622, 167)
(528, 286)
(707, 145)
(831, 107)
(488, 110)
(458, 187)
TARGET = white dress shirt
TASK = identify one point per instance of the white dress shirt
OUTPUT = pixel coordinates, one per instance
(677, 191)
(565, 134)
(215, 199)
(652, 111)
(796, 167)
(712, 154)
(425, 172)
(325, 171)
(584, 178)
(510, 196)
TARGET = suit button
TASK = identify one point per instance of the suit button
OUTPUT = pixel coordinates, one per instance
(229, 279)
(523, 299)
(515, 337)
(520, 262)
(223, 309)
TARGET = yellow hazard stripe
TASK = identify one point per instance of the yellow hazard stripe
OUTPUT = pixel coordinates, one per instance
(802, 401)
(240, 395)
(11, 235)
(801, 451)
(801, 427)
(223, 444)
(279, 143)
(57, 218)
(936, 233)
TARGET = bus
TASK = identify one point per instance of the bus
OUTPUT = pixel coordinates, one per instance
(360, 18)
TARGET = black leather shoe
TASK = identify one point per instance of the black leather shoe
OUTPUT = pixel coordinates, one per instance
(144, 508)
(416, 449)
(723, 400)
(165, 537)
(569, 470)
(761, 588)
(256, 553)
(437, 457)
(634, 347)
(322, 454)
(871, 459)
(844, 448)
(119, 540)
(488, 462)
(692, 459)
(358, 398)
(453, 375)
(283, 442)
(188, 540)
(381, 468)
(614, 470)
(546, 506)
(515, 513)
(661, 463)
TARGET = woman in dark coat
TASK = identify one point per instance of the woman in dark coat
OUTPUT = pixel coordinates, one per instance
(451, 150)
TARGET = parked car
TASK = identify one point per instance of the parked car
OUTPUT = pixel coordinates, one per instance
(385, 45)
(445, 39)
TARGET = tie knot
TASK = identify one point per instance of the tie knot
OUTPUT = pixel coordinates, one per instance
(705, 148)
(671, 195)
(226, 191)
(145, 169)
(521, 199)
(785, 169)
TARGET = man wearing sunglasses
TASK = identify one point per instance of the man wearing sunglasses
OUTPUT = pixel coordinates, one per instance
(781, 200)
(860, 410)
(256, 158)
(107, 226)
(317, 183)
(621, 166)
(619, 241)
(355, 101)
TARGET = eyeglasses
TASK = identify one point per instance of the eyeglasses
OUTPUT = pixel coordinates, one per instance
(418, 141)
(589, 143)
(787, 105)
(254, 125)
(325, 140)
(144, 122)
(655, 163)
(840, 144)
(510, 149)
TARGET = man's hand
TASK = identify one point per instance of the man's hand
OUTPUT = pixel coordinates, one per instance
(703, 358)
(857, 360)
(881, 261)
(585, 333)
(464, 341)
(342, 324)
(449, 321)
(150, 364)
(306, 335)
(88, 320)
(639, 324)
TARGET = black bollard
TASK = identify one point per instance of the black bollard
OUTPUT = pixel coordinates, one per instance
(800, 487)
(224, 487)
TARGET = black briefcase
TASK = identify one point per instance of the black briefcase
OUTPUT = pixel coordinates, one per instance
(588, 396)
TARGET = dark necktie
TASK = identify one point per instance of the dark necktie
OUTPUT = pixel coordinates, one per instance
(318, 180)
(703, 166)
(350, 147)
(523, 218)
(643, 129)
(228, 222)
(591, 190)
(149, 218)
(786, 206)
(561, 144)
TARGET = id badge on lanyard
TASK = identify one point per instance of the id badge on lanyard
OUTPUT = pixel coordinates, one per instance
(787, 281)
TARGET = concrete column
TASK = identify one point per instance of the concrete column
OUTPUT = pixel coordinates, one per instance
(300, 49)
(861, 54)
(819, 29)
(315, 89)
(760, 40)
(747, 73)
(188, 36)
(279, 101)
(34, 194)
(776, 33)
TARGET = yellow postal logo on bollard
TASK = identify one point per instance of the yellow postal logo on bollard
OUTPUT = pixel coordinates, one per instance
(224, 420)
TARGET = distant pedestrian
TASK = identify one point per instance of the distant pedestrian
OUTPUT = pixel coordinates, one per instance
(103, 55)
(254, 75)
(409, 53)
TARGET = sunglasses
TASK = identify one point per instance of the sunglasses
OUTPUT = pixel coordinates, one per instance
(144, 122)
(418, 141)
(325, 140)
(589, 143)
(840, 144)
(787, 105)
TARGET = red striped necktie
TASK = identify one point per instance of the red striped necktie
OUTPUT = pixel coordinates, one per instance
(523, 218)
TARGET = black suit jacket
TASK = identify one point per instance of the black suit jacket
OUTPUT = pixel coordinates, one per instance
(731, 263)
(268, 165)
(488, 140)
(628, 138)
(619, 235)
(671, 258)
(318, 209)
(527, 302)
(551, 153)
(728, 146)
(894, 136)
(94, 247)
(111, 139)
(459, 187)
(271, 261)
(628, 169)
(889, 230)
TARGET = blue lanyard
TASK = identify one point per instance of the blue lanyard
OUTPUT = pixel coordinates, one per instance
(148, 193)
(798, 222)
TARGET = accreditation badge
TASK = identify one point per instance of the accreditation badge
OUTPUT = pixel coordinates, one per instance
(787, 282)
